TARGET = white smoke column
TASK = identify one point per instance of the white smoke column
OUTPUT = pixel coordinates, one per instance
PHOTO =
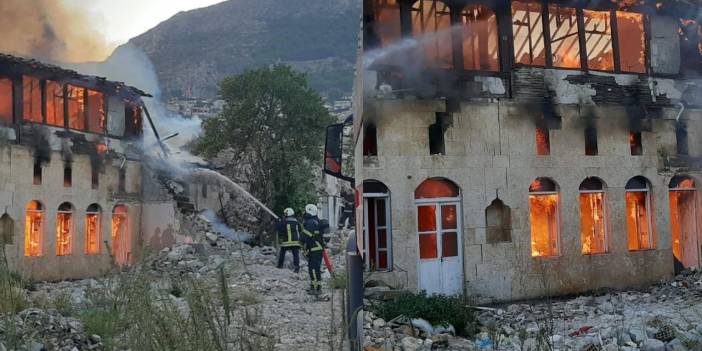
(132, 66)
(223, 229)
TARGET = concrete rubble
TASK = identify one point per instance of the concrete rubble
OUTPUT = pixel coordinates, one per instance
(664, 317)
(275, 297)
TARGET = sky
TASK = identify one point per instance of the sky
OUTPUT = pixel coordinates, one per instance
(122, 20)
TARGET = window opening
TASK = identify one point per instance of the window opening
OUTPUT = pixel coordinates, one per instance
(593, 223)
(565, 36)
(638, 214)
(33, 229)
(544, 218)
(31, 88)
(431, 23)
(54, 104)
(528, 32)
(64, 229)
(480, 39)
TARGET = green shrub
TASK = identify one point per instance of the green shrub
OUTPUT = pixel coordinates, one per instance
(106, 322)
(436, 309)
(338, 281)
(63, 304)
(13, 300)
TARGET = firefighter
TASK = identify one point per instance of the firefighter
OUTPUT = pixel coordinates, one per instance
(289, 230)
(314, 247)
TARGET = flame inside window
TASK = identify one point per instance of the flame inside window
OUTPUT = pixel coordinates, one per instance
(543, 216)
(565, 41)
(54, 103)
(96, 112)
(638, 215)
(76, 107)
(682, 217)
(593, 227)
(632, 42)
(480, 39)
(92, 229)
(431, 19)
(528, 32)
(598, 40)
(543, 141)
(33, 229)
(387, 21)
(119, 235)
(64, 230)
(31, 99)
(6, 100)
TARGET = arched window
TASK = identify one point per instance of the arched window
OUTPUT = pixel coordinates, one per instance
(387, 21)
(377, 226)
(93, 225)
(431, 24)
(683, 220)
(7, 229)
(64, 229)
(544, 218)
(497, 219)
(480, 39)
(120, 234)
(436, 188)
(593, 223)
(33, 229)
(638, 214)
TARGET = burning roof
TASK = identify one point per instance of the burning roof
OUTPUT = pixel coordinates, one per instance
(14, 65)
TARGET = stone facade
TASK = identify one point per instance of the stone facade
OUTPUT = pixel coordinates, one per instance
(490, 152)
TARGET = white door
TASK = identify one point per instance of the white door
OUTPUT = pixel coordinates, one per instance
(439, 242)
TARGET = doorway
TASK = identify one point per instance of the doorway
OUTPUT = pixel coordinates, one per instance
(683, 219)
(440, 266)
(377, 227)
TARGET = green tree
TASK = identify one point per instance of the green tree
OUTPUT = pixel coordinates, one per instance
(274, 123)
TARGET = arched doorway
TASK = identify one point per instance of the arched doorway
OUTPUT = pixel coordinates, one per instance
(440, 268)
(683, 220)
(377, 226)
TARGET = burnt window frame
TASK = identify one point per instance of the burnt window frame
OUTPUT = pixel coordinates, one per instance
(612, 9)
(13, 97)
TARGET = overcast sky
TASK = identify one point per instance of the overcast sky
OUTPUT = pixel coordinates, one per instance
(124, 19)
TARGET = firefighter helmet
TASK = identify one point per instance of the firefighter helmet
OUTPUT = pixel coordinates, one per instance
(311, 210)
(288, 212)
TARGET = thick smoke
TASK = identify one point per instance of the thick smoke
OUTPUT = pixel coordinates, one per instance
(132, 66)
(49, 30)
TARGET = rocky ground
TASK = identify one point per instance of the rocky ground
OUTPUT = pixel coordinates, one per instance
(664, 317)
(270, 305)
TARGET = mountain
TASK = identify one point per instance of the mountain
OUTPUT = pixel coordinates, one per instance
(192, 51)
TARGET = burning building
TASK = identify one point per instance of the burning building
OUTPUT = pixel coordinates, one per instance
(75, 195)
(515, 149)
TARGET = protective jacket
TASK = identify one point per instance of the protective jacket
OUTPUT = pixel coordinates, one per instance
(312, 237)
(289, 231)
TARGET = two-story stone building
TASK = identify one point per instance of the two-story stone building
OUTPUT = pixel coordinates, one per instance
(514, 149)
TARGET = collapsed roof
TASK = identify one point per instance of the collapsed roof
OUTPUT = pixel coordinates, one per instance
(15, 65)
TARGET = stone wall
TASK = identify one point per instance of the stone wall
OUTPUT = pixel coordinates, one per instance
(17, 190)
(490, 153)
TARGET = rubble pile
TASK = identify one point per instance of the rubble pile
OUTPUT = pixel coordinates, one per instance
(273, 298)
(35, 329)
(665, 317)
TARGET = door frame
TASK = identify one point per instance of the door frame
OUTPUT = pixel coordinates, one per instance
(438, 202)
(695, 215)
(388, 231)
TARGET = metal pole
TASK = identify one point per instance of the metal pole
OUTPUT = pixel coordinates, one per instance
(354, 286)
